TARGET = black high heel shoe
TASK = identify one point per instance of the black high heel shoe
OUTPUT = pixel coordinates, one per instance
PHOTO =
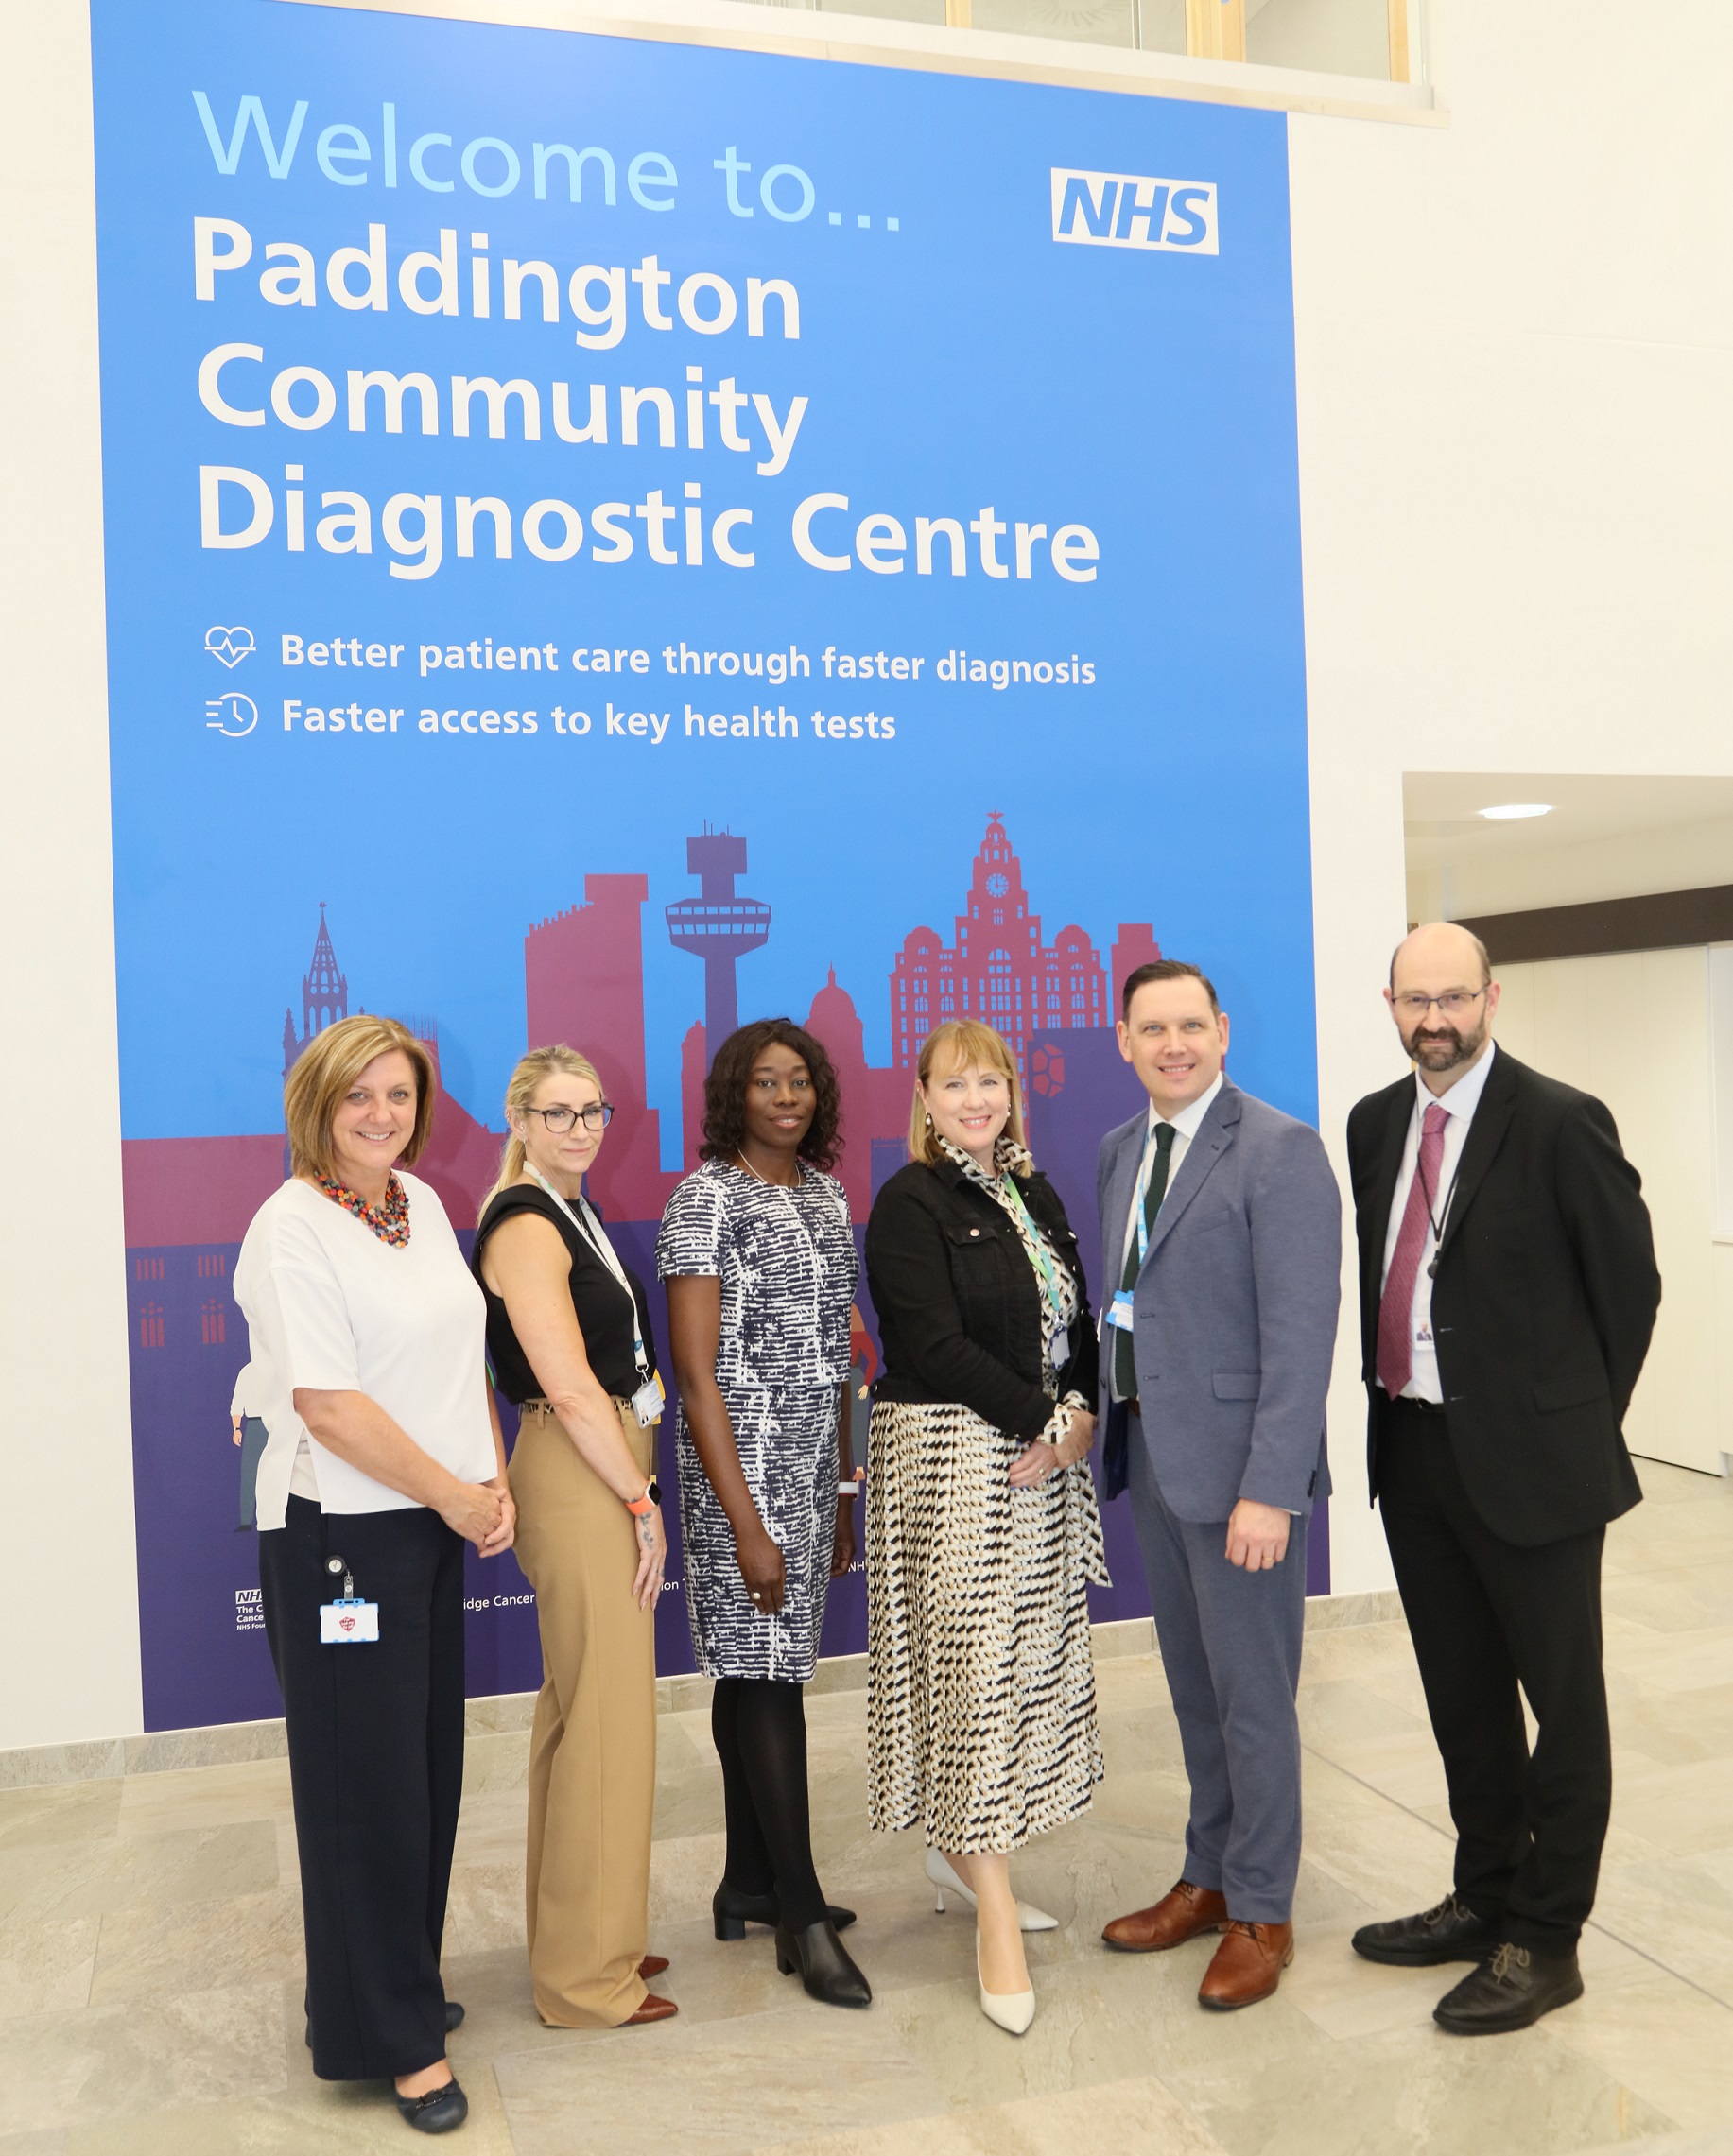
(732, 1911)
(438, 2111)
(822, 1962)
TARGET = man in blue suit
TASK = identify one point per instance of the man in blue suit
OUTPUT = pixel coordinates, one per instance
(1221, 1232)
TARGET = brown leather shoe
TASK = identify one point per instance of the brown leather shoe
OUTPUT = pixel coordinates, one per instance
(1184, 1912)
(1247, 1966)
(653, 2008)
(652, 1965)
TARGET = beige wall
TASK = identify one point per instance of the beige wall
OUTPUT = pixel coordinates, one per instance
(1633, 1030)
(68, 1589)
(1513, 350)
(1514, 347)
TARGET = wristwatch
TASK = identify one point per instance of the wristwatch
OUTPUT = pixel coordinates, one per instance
(652, 1497)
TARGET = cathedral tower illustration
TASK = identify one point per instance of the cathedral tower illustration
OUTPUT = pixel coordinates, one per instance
(324, 997)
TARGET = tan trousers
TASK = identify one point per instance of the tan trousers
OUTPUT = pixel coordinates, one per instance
(593, 1742)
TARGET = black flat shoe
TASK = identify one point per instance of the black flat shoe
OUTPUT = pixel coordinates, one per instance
(822, 1962)
(1451, 1932)
(732, 1911)
(453, 2019)
(438, 2112)
(1511, 1990)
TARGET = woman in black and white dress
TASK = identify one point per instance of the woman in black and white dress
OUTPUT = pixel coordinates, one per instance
(759, 1254)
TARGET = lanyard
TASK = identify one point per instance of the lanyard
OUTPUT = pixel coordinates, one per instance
(1437, 1221)
(1140, 1197)
(1037, 1250)
(591, 1229)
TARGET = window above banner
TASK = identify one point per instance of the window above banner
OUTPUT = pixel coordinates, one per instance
(1381, 41)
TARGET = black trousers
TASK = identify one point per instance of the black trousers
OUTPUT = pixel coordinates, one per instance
(1486, 1617)
(376, 1747)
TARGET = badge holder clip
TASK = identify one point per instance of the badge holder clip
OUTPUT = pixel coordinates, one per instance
(347, 1622)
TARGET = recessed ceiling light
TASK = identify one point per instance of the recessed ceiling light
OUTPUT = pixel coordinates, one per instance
(1509, 811)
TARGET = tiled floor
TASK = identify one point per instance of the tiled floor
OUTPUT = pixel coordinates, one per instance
(150, 1950)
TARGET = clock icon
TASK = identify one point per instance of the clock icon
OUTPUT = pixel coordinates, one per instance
(997, 884)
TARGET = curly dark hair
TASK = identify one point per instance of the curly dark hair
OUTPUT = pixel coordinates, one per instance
(726, 1090)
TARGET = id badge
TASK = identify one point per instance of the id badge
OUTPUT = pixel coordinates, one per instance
(648, 1400)
(348, 1623)
(1059, 1346)
(1119, 1311)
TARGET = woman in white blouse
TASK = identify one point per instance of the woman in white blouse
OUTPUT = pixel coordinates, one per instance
(383, 1458)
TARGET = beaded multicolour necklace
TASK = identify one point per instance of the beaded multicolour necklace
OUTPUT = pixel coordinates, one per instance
(388, 1221)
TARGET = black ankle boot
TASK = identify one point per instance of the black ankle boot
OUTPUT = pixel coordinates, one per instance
(733, 1911)
(822, 1962)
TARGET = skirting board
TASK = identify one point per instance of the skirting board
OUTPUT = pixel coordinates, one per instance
(229, 1744)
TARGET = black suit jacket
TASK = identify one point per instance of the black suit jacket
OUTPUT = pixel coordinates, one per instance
(958, 1307)
(1542, 1304)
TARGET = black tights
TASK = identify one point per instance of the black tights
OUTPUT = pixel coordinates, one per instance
(759, 1726)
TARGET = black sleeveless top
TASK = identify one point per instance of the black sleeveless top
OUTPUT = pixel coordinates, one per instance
(603, 1314)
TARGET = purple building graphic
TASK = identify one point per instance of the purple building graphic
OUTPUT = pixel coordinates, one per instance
(188, 1203)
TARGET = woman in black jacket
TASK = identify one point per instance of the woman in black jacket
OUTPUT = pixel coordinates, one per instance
(983, 1529)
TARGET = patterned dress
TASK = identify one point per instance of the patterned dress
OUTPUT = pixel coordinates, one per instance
(787, 1266)
(982, 1722)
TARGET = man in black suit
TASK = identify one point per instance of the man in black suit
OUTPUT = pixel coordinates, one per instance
(1508, 1290)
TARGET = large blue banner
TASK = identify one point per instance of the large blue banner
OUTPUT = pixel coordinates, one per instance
(605, 536)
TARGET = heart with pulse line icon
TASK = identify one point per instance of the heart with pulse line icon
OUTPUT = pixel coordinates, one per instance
(230, 645)
(348, 1624)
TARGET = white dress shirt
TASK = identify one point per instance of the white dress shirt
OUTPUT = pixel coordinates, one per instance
(248, 1399)
(1186, 1125)
(1459, 1104)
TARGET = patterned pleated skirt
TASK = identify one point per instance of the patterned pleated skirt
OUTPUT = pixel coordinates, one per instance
(981, 1687)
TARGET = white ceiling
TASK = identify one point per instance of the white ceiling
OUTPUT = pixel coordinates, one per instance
(1607, 837)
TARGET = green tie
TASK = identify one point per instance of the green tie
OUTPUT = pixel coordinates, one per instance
(1124, 1359)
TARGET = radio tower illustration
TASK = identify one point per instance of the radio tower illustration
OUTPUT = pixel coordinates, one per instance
(717, 927)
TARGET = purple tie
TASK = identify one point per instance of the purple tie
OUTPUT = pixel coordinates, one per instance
(1395, 1331)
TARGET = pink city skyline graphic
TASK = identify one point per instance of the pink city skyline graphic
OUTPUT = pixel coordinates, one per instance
(188, 1203)
(583, 984)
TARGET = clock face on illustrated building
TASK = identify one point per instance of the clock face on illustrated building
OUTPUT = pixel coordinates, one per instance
(998, 885)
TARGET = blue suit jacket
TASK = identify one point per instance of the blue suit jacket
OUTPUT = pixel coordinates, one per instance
(1235, 1310)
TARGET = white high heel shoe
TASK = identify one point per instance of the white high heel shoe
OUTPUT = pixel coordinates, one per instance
(1013, 2011)
(944, 1881)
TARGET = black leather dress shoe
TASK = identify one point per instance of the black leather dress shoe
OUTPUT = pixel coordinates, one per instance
(1451, 1932)
(733, 1911)
(1510, 1990)
(438, 2112)
(823, 1963)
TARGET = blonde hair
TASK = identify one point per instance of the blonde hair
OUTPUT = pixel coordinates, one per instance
(954, 1045)
(323, 1073)
(520, 1091)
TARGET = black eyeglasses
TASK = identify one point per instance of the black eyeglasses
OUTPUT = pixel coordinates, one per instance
(597, 1117)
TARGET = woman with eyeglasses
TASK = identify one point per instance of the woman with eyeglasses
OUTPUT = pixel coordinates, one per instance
(568, 1335)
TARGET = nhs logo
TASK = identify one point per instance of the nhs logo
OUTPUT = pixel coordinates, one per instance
(1127, 209)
